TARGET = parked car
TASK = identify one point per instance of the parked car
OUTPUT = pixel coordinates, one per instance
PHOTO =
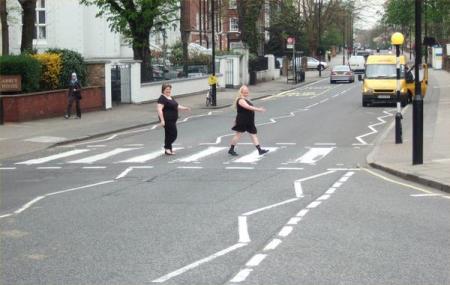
(314, 63)
(357, 63)
(341, 73)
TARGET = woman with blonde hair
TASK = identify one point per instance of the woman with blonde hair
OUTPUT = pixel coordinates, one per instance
(245, 121)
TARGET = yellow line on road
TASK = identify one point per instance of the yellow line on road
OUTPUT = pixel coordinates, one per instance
(397, 182)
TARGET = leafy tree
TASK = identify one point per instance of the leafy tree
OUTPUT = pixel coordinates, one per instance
(249, 12)
(135, 20)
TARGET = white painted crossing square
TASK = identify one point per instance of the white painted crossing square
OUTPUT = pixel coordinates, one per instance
(101, 156)
(202, 154)
(314, 155)
(53, 157)
(254, 156)
(146, 157)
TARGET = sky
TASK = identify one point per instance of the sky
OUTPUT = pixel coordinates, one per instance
(367, 11)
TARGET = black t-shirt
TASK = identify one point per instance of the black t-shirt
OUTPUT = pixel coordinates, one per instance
(170, 110)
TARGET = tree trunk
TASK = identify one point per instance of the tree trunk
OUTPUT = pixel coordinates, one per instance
(28, 22)
(184, 28)
(5, 28)
(141, 51)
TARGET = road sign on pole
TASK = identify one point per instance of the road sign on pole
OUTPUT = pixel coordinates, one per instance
(290, 42)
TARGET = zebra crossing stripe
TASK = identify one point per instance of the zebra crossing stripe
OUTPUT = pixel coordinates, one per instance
(314, 154)
(202, 154)
(254, 156)
(53, 157)
(95, 158)
(146, 157)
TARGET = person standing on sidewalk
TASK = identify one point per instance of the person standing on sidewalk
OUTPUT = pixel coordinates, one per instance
(245, 121)
(167, 109)
(74, 95)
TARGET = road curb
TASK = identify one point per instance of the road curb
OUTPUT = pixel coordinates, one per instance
(414, 178)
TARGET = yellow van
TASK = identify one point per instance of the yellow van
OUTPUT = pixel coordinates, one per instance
(380, 80)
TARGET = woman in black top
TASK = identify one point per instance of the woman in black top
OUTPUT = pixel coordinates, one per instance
(168, 115)
(245, 121)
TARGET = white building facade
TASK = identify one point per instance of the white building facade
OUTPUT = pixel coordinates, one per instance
(68, 24)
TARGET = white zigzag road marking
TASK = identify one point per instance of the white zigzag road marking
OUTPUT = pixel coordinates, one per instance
(374, 131)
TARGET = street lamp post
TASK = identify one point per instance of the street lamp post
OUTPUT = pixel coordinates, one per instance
(418, 99)
(213, 86)
(397, 40)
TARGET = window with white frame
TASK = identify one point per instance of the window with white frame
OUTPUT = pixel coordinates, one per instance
(234, 24)
(41, 21)
(232, 4)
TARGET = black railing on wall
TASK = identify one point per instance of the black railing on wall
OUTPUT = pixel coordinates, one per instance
(258, 64)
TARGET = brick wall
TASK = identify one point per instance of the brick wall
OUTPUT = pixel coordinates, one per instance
(33, 106)
(96, 74)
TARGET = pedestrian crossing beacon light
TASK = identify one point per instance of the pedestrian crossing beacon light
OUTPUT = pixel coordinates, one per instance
(397, 40)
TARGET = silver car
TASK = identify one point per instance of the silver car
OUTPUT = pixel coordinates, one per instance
(342, 73)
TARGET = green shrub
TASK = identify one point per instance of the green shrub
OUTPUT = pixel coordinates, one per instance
(71, 61)
(26, 66)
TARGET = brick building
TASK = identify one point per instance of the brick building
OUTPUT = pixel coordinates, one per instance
(226, 22)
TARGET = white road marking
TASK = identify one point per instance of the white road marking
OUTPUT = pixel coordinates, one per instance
(323, 197)
(313, 155)
(53, 157)
(324, 100)
(294, 221)
(79, 188)
(256, 260)
(202, 154)
(282, 143)
(8, 168)
(101, 156)
(94, 167)
(313, 204)
(298, 189)
(270, 207)
(28, 205)
(190, 167)
(146, 157)
(312, 105)
(373, 130)
(49, 167)
(96, 141)
(243, 229)
(239, 168)
(199, 262)
(126, 171)
(325, 144)
(273, 244)
(254, 156)
(290, 168)
(97, 145)
(336, 185)
(330, 191)
(35, 200)
(285, 231)
(241, 276)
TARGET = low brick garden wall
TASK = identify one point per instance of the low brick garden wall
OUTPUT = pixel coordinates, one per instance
(40, 105)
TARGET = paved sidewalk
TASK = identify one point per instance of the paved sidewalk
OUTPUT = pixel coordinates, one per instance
(21, 138)
(397, 158)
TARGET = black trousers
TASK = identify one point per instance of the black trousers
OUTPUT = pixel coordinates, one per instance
(170, 131)
(77, 105)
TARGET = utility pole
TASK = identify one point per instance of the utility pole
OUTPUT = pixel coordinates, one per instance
(418, 99)
(213, 64)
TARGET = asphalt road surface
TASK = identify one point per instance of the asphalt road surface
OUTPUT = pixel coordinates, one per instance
(115, 210)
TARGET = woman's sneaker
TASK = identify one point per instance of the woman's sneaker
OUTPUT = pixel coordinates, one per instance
(232, 153)
(263, 151)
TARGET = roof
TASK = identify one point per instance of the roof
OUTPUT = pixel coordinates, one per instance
(385, 59)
